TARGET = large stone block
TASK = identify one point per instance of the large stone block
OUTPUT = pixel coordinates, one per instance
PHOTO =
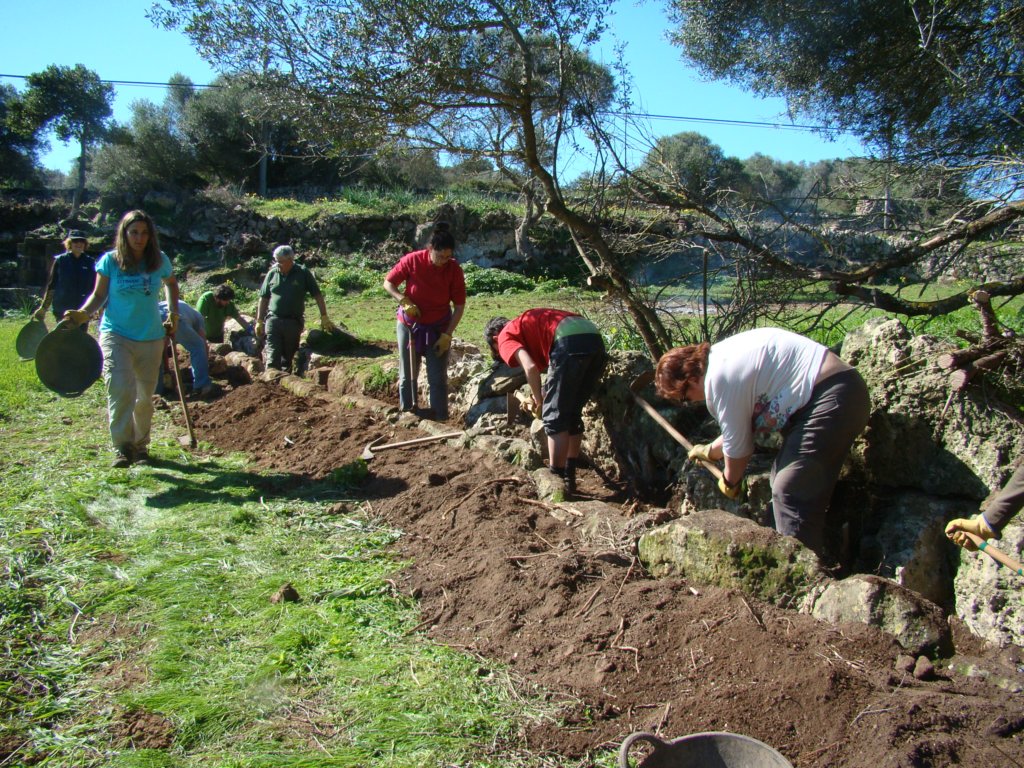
(715, 547)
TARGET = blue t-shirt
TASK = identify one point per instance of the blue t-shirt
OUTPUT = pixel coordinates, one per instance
(132, 299)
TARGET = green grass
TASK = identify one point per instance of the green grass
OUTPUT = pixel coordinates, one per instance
(147, 593)
(362, 201)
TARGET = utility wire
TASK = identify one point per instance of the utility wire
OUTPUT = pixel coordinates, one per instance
(640, 115)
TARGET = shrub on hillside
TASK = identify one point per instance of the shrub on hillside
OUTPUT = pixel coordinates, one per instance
(489, 280)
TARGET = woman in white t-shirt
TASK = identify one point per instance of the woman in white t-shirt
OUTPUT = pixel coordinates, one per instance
(772, 380)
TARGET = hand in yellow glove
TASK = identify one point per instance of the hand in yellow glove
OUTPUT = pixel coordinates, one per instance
(40, 314)
(410, 309)
(76, 316)
(729, 491)
(261, 330)
(327, 325)
(955, 530)
(700, 452)
(171, 324)
(442, 345)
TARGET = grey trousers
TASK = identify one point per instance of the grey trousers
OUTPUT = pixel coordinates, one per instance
(815, 442)
(1008, 501)
(283, 334)
(437, 375)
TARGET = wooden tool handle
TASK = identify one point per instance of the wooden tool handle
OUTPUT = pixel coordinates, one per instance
(996, 554)
(417, 441)
(675, 434)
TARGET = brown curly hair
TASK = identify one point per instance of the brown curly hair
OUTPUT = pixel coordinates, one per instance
(678, 367)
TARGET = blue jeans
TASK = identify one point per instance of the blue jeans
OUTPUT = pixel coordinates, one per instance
(437, 375)
(196, 346)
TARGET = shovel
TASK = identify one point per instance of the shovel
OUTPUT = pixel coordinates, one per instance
(996, 554)
(372, 448)
(642, 381)
(181, 392)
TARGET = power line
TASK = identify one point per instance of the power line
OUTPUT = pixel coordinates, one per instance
(143, 83)
(641, 115)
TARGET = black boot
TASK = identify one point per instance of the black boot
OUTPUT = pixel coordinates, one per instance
(570, 478)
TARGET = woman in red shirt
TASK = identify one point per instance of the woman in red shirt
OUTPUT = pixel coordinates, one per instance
(428, 312)
(570, 349)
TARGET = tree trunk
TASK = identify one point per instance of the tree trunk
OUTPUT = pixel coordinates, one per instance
(76, 201)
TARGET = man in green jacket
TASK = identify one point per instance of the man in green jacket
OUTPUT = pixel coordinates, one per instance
(280, 317)
(216, 306)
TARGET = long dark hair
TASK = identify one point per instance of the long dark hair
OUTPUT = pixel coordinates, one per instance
(442, 239)
(123, 251)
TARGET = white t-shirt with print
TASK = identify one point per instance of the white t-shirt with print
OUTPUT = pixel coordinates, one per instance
(755, 380)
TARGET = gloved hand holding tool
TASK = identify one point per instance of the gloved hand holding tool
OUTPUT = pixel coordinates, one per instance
(958, 529)
(171, 324)
(409, 308)
(729, 491)
(442, 345)
(261, 330)
(700, 452)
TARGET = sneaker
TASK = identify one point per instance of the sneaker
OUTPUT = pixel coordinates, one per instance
(142, 456)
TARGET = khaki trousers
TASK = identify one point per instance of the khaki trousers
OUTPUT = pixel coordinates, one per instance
(130, 371)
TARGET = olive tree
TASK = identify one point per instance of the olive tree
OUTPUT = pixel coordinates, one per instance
(75, 104)
(507, 81)
(933, 86)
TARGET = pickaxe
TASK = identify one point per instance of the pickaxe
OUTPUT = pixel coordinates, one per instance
(996, 554)
(642, 381)
(372, 447)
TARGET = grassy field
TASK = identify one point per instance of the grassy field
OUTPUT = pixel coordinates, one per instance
(135, 604)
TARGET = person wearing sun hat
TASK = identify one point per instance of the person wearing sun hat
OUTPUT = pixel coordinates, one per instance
(71, 279)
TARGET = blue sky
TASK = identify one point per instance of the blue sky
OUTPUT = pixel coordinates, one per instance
(116, 40)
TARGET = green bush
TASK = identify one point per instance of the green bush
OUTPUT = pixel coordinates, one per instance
(379, 380)
(353, 279)
(487, 280)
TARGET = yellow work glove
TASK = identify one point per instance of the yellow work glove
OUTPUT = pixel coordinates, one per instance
(410, 309)
(40, 314)
(76, 316)
(443, 343)
(700, 452)
(261, 330)
(326, 325)
(171, 324)
(976, 525)
(729, 491)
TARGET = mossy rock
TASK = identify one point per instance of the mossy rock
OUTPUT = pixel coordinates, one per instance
(714, 547)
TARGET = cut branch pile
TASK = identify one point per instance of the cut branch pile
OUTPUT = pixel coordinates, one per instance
(994, 351)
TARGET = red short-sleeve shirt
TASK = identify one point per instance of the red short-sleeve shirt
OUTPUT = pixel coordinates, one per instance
(432, 289)
(534, 331)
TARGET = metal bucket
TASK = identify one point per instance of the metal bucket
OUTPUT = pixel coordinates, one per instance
(68, 360)
(29, 338)
(714, 749)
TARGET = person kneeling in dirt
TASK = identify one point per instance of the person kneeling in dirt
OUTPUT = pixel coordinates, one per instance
(772, 380)
(281, 314)
(216, 306)
(191, 334)
(570, 348)
(990, 523)
(426, 320)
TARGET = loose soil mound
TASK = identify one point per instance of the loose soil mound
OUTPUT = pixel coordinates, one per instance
(501, 577)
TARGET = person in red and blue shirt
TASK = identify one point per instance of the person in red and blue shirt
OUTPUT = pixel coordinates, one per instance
(570, 349)
(428, 312)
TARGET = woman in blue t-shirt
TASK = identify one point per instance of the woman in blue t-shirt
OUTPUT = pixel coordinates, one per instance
(128, 281)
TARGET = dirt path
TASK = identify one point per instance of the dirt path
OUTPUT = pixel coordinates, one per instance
(499, 576)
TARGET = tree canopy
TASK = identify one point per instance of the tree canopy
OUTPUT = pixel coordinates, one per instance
(924, 80)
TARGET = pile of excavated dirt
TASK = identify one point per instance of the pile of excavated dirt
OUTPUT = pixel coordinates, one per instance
(499, 576)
